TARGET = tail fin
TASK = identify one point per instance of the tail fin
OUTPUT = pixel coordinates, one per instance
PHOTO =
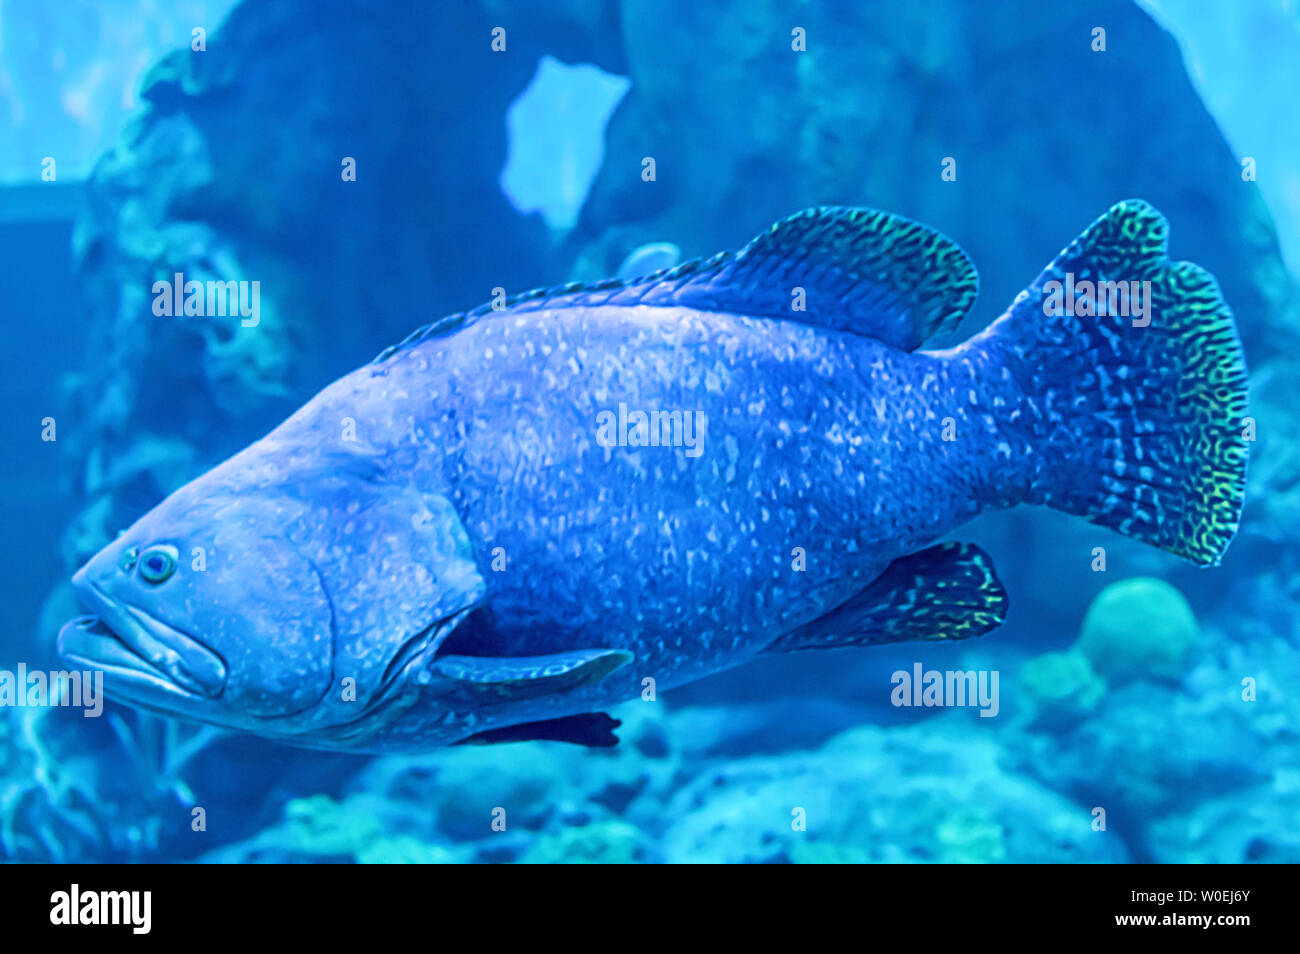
(1137, 410)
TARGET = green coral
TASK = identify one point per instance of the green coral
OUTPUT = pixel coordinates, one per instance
(1141, 628)
(827, 853)
(605, 843)
(317, 828)
(404, 850)
(320, 826)
(970, 838)
(1061, 688)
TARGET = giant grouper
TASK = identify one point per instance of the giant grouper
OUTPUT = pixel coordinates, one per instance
(520, 514)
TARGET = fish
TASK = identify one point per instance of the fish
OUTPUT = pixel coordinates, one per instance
(526, 513)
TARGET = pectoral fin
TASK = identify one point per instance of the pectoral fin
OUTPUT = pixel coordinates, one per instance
(508, 678)
(948, 591)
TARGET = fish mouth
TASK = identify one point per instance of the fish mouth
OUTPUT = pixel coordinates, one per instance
(145, 654)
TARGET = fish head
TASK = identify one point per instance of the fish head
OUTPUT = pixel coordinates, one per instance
(300, 609)
(206, 608)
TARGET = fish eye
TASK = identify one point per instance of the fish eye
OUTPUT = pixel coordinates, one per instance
(158, 563)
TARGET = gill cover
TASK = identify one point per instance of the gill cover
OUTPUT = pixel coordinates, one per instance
(399, 571)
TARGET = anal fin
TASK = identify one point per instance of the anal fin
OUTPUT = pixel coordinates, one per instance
(948, 591)
(592, 729)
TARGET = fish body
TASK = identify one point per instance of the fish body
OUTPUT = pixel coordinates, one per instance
(519, 517)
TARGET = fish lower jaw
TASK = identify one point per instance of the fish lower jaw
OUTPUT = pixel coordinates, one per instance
(89, 642)
(162, 650)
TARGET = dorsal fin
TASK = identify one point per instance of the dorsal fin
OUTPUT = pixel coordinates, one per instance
(862, 271)
(866, 272)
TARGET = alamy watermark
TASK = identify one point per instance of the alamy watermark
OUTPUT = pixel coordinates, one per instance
(947, 687)
(1091, 299)
(178, 298)
(131, 909)
(38, 689)
(633, 428)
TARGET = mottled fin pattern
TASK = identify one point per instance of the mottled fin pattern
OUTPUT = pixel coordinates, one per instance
(862, 271)
(1139, 428)
(947, 592)
(866, 272)
(592, 729)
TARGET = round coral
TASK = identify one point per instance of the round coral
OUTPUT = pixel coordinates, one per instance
(1141, 628)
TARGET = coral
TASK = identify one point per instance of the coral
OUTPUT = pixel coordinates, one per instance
(1150, 749)
(1061, 688)
(158, 751)
(903, 794)
(49, 808)
(106, 789)
(825, 853)
(1139, 628)
(404, 850)
(361, 828)
(605, 843)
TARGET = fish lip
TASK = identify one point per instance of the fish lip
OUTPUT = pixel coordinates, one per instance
(88, 641)
(157, 650)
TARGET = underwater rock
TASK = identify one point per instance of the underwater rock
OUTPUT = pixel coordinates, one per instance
(846, 122)
(825, 853)
(1245, 60)
(1265, 554)
(1149, 750)
(1257, 826)
(322, 827)
(1139, 629)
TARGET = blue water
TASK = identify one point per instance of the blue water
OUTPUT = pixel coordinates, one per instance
(1145, 709)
